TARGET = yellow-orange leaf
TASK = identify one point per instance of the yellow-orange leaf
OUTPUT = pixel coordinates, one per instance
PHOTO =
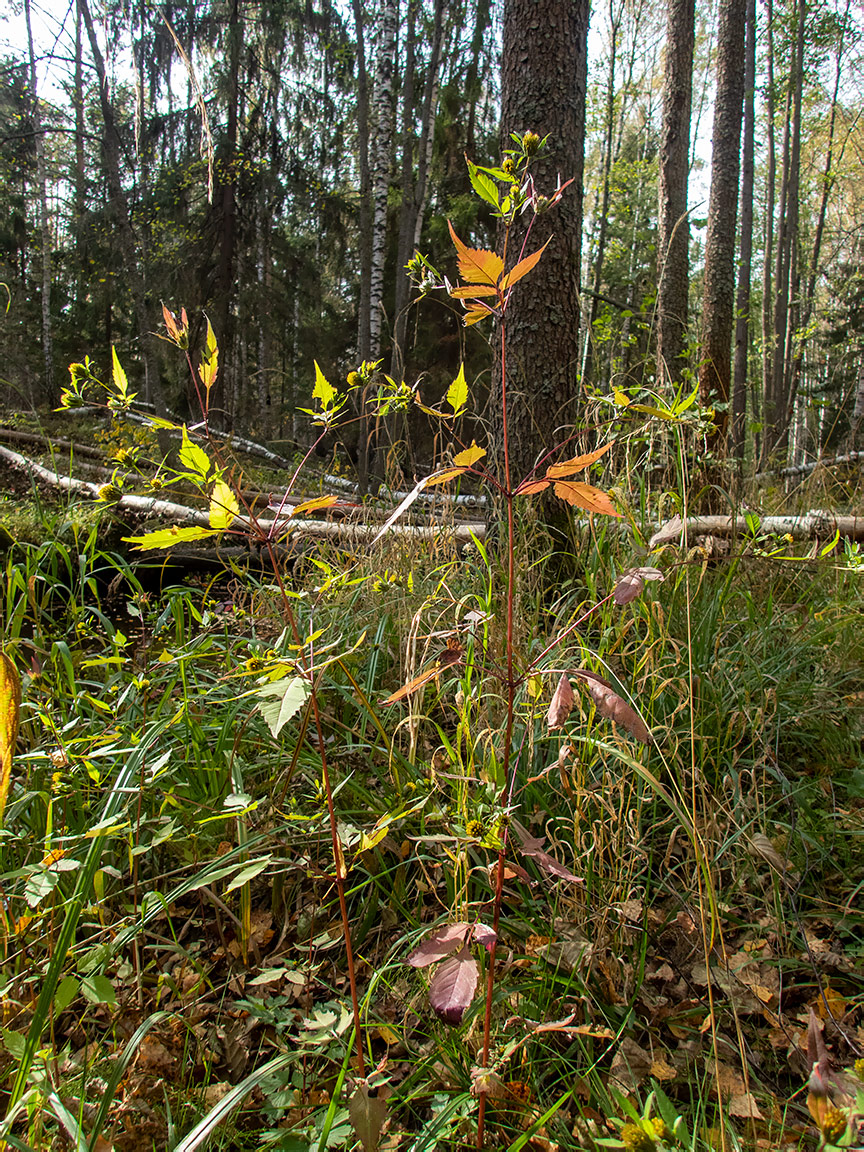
(476, 314)
(477, 264)
(452, 655)
(523, 267)
(471, 291)
(443, 477)
(584, 496)
(314, 505)
(569, 467)
(532, 487)
(470, 455)
(10, 709)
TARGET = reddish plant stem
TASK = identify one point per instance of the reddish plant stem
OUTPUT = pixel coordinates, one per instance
(508, 732)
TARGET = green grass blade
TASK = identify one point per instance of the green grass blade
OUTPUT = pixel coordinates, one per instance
(113, 1082)
(114, 803)
(205, 1128)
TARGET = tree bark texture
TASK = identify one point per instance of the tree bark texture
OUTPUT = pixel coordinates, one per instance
(718, 306)
(673, 238)
(742, 302)
(543, 74)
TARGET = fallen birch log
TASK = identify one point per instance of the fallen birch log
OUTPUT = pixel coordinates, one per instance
(276, 528)
(814, 523)
(812, 465)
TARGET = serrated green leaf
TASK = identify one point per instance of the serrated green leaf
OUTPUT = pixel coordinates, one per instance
(485, 188)
(118, 375)
(169, 537)
(223, 506)
(66, 992)
(98, 989)
(323, 390)
(457, 393)
(279, 701)
(193, 457)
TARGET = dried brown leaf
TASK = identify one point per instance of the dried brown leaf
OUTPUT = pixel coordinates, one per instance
(367, 1112)
(612, 706)
(631, 583)
(562, 703)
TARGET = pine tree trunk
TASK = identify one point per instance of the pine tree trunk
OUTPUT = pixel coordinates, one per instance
(543, 90)
(673, 239)
(718, 306)
(742, 303)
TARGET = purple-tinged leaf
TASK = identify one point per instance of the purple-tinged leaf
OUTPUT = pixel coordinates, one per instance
(533, 849)
(562, 703)
(612, 706)
(631, 583)
(485, 935)
(439, 944)
(453, 986)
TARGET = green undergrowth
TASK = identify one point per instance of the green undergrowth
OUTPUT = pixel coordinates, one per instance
(209, 930)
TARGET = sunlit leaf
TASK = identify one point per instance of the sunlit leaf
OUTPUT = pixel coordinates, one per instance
(621, 398)
(532, 487)
(453, 986)
(485, 188)
(457, 393)
(282, 699)
(209, 366)
(439, 944)
(584, 496)
(472, 291)
(169, 537)
(323, 390)
(316, 505)
(118, 374)
(475, 315)
(576, 464)
(10, 711)
(193, 457)
(477, 265)
(443, 477)
(523, 267)
(223, 506)
(469, 456)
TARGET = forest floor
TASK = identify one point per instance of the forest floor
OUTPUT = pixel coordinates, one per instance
(677, 919)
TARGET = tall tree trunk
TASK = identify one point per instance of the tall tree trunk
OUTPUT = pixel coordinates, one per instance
(718, 306)
(603, 216)
(829, 176)
(385, 63)
(742, 302)
(125, 232)
(776, 397)
(543, 73)
(768, 246)
(44, 222)
(673, 239)
(365, 206)
(473, 80)
(220, 398)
